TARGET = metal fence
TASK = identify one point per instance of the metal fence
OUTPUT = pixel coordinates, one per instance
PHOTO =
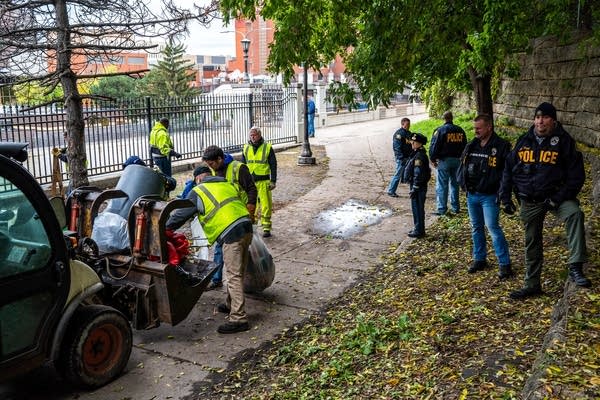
(115, 130)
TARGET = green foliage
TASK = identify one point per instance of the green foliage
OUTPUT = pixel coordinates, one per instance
(171, 77)
(342, 96)
(115, 87)
(438, 98)
(33, 93)
(388, 43)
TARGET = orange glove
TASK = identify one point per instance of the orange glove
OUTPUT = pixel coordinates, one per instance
(252, 210)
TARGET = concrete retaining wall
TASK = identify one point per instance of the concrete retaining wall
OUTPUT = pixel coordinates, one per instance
(568, 76)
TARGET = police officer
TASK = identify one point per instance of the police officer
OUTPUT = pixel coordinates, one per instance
(161, 146)
(447, 144)
(402, 152)
(260, 158)
(546, 172)
(479, 175)
(224, 219)
(417, 175)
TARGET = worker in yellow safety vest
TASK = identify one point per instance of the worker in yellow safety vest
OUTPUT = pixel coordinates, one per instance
(225, 220)
(260, 158)
(161, 146)
(222, 164)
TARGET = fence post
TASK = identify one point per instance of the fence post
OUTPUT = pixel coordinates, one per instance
(250, 109)
(149, 121)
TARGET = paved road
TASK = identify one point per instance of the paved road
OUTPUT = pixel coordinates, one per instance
(312, 269)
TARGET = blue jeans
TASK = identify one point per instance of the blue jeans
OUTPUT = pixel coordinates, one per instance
(164, 163)
(397, 178)
(311, 125)
(218, 259)
(446, 179)
(485, 210)
(418, 211)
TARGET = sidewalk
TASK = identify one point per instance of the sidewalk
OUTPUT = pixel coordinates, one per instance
(312, 268)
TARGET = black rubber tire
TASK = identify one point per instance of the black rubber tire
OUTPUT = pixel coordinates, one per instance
(96, 348)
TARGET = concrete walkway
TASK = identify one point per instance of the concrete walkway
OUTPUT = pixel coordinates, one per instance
(312, 269)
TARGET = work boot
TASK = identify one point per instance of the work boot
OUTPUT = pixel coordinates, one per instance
(267, 234)
(233, 327)
(222, 308)
(416, 235)
(525, 292)
(477, 265)
(505, 272)
(189, 278)
(214, 285)
(577, 276)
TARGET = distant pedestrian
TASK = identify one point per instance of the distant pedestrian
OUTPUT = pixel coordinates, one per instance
(447, 144)
(479, 175)
(161, 146)
(402, 151)
(260, 158)
(546, 172)
(311, 116)
(417, 175)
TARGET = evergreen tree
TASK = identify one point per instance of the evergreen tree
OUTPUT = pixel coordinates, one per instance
(172, 76)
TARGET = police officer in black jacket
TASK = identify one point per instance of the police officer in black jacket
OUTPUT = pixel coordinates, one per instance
(447, 144)
(402, 152)
(479, 175)
(417, 175)
(546, 172)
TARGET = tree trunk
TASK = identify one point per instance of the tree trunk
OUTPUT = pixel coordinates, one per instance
(482, 88)
(73, 105)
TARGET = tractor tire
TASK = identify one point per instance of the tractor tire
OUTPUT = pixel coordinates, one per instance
(96, 347)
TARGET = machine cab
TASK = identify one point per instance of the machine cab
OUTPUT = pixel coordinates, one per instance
(34, 275)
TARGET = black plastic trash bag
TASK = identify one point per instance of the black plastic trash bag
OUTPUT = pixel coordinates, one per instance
(260, 270)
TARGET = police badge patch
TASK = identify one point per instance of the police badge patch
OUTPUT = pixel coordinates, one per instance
(494, 151)
(418, 163)
(554, 141)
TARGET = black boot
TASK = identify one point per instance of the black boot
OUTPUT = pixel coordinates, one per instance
(577, 276)
(189, 278)
(477, 266)
(526, 292)
(505, 272)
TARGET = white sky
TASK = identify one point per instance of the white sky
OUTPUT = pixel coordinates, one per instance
(206, 41)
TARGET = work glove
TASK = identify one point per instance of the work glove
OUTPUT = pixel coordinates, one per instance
(509, 208)
(252, 210)
(413, 194)
(272, 185)
(550, 205)
(175, 154)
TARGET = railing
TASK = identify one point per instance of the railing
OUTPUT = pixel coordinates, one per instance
(115, 130)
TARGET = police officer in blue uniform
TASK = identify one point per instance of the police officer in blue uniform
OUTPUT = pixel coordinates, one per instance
(447, 144)
(546, 172)
(417, 175)
(402, 152)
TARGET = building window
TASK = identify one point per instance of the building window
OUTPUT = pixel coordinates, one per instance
(136, 60)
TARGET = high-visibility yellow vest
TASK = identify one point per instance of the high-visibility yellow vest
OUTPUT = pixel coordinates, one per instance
(232, 174)
(160, 139)
(258, 162)
(222, 206)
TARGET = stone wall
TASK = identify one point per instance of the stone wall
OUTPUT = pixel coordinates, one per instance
(568, 76)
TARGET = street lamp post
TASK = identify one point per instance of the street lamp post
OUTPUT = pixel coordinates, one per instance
(306, 157)
(245, 47)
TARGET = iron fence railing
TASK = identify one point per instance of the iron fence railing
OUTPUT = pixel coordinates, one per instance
(115, 130)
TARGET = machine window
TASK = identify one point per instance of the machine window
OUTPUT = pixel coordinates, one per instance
(24, 244)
